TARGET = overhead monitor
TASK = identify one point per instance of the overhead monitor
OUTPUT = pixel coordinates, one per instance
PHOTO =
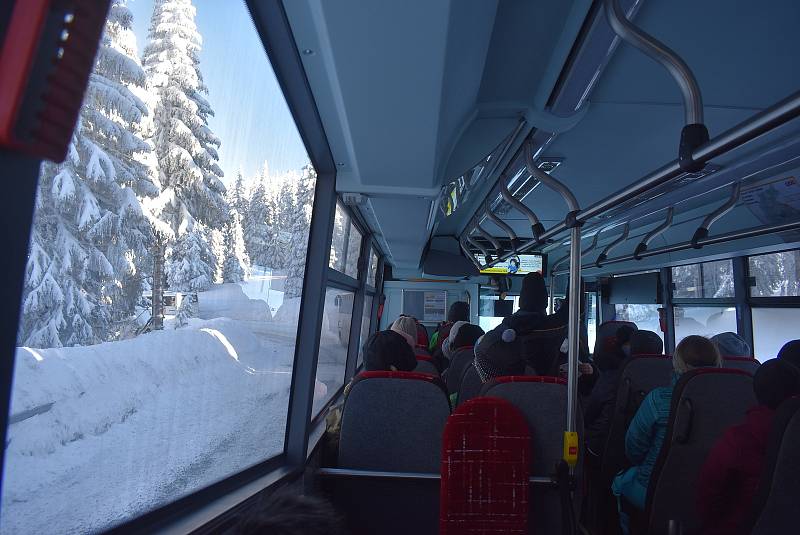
(516, 265)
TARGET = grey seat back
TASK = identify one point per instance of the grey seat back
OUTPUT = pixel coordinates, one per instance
(705, 403)
(470, 384)
(393, 421)
(426, 366)
(775, 505)
(638, 377)
(543, 402)
(458, 363)
(741, 363)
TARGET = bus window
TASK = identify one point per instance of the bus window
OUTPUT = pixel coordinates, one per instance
(120, 404)
(773, 327)
(591, 319)
(372, 269)
(705, 280)
(366, 323)
(775, 275)
(345, 244)
(704, 321)
(334, 339)
(644, 316)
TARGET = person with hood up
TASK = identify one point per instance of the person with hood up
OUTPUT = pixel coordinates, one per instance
(407, 327)
(649, 426)
(730, 476)
(790, 352)
(731, 345)
(458, 352)
(459, 311)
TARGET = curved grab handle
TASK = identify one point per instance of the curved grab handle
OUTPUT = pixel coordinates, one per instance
(588, 250)
(702, 231)
(498, 249)
(487, 258)
(515, 241)
(642, 247)
(622, 237)
(553, 184)
(468, 253)
(536, 226)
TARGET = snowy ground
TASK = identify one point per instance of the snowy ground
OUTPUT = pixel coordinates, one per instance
(103, 433)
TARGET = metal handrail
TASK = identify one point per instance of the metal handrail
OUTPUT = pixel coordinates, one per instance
(713, 240)
(496, 244)
(536, 226)
(680, 71)
(549, 181)
(487, 258)
(737, 136)
(503, 225)
(713, 217)
(642, 247)
(622, 237)
(383, 474)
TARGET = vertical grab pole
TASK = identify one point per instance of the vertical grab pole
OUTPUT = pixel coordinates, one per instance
(573, 330)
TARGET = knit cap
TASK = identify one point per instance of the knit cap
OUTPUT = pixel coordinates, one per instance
(499, 353)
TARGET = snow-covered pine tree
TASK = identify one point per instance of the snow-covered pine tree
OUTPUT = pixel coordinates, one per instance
(217, 242)
(299, 230)
(260, 222)
(185, 147)
(236, 264)
(90, 235)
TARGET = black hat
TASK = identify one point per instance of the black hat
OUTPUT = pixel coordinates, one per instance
(385, 349)
(646, 343)
(459, 311)
(774, 381)
(499, 353)
(533, 296)
(467, 335)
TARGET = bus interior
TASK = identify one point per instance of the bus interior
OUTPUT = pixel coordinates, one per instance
(213, 210)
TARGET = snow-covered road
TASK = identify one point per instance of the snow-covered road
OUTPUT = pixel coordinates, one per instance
(138, 423)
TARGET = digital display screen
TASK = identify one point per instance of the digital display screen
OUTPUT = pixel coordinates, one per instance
(516, 265)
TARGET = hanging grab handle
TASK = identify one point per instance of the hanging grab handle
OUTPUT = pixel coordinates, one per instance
(515, 241)
(536, 226)
(585, 252)
(713, 217)
(498, 249)
(694, 133)
(622, 237)
(642, 247)
(468, 253)
(572, 203)
(487, 258)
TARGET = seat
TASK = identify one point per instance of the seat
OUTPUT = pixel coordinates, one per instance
(607, 334)
(543, 402)
(541, 349)
(420, 351)
(485, 460)
(775, 503)
(750, 365)
(705, 402)
(638, 377)
(392, 422)
(459, 361)
(470, 384)
(426, 365)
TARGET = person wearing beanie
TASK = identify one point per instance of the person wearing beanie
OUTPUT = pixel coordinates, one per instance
(648, 428)
(498, 353)
(459, 350)
(730, 476)
(533, 295)
(407, 326)
(459, 311)
(731, 345)
(646, 343)
(790, 352)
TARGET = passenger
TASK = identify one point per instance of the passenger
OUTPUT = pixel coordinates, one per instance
(649, 426)
(498, 353)
(646, 343)
(790, 352)
(731, 345)
(292, 514)
(383, 351)
(459, 311)
(407, 326)
(599, 405)
(730, 476)
(462, 335)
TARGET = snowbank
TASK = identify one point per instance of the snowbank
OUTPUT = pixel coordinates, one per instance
(103, 433)
(229, 301)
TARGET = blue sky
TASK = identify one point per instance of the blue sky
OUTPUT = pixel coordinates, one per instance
(252, 118)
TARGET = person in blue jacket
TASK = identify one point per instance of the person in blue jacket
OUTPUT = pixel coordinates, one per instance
(649, 426)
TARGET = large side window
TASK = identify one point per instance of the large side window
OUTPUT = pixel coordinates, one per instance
(774, 280)
(334, 340)
(775, 275)
(703, 295)
(644, 316)
(345, 244)
(707, 280)
(163, 284)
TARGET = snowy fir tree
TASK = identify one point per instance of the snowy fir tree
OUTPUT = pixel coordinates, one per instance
(236, 263)
(217, 241)
(298, 231)
(185, 147)
(260, 221)
(90, 236)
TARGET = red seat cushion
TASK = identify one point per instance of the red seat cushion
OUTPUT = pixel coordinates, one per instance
(485, 460)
